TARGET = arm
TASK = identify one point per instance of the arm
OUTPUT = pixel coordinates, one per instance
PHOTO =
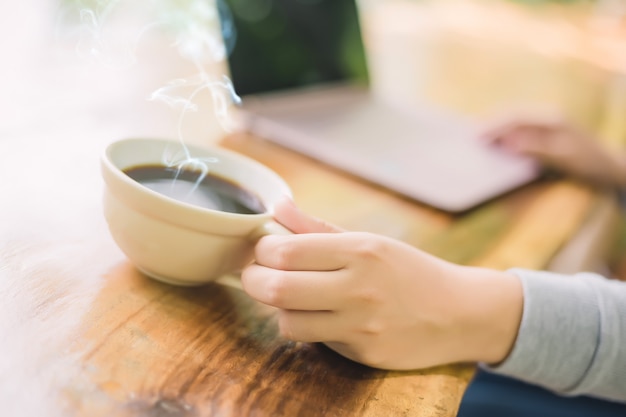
(386, 304)
(572, 337)
(380, 301)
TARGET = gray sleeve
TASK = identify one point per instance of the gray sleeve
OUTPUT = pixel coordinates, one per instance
(572, 338)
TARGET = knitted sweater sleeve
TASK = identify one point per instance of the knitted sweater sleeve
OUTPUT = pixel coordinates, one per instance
(572, 337)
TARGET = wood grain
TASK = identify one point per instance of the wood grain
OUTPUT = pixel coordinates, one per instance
(207, 351)
(214, 351)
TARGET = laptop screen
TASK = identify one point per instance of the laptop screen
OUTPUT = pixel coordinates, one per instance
(285, 44)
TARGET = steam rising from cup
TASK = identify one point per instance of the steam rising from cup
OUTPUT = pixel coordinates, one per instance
(202, 32)
(197, 40)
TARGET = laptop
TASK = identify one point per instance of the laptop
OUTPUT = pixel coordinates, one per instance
(300, 68)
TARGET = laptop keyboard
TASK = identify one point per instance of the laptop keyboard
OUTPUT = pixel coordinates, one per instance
(426, 155)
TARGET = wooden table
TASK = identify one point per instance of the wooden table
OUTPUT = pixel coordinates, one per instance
(85, 334)
(82, 333)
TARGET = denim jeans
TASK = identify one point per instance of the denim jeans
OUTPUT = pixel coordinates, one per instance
(490, 395)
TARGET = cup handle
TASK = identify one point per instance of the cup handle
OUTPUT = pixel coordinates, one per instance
(270, 227)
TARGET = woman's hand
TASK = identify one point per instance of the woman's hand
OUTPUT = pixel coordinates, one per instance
(560, 146)
(379, 301)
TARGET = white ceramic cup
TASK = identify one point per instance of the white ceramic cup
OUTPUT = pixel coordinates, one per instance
(176, 242)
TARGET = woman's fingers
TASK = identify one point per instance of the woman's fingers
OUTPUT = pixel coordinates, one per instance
(310, 326)
(297, 221)
(302, 290)
(495, 133)
(305, 252)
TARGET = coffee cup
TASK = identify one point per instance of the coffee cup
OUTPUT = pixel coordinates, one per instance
(175, 238)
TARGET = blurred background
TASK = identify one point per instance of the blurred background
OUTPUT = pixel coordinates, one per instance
(483, 57)
(487, 58)
(494, 57)
(79, 74)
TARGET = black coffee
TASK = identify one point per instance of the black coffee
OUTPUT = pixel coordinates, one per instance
(194, 187)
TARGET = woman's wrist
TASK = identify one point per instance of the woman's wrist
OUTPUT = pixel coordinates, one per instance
(491, 307)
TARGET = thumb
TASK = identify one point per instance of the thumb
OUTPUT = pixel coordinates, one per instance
(290, 216)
